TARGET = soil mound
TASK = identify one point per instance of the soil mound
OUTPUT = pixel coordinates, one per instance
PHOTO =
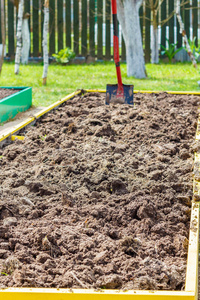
(99, 196)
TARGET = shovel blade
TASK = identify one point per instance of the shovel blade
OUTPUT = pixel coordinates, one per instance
(111, 94)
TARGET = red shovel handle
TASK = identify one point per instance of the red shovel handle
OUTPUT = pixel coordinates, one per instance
(116, 44)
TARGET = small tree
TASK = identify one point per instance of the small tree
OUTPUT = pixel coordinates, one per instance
(25, 39)
(19, 36)
(183, 32)
(154, 6)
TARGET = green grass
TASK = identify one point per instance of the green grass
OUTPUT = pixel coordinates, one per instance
(63, 80)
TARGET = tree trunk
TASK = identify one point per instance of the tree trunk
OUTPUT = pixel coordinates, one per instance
(19, 36)
(2, 34)
(45, 41)
(154, 42)
(154, 47)
(25, 41)
(128, 15)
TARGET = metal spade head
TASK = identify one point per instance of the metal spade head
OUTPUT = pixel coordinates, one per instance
(113, 97)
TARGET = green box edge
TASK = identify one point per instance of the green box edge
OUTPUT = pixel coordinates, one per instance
(24, 95)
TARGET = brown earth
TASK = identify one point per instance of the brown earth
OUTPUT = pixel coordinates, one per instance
(7, 92)
(99, 196)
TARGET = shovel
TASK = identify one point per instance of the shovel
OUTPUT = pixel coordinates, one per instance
(118, 93)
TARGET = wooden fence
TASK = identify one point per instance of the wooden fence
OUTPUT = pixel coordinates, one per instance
(86, 26)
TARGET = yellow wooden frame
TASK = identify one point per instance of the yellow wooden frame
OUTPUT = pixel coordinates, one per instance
(191, 283)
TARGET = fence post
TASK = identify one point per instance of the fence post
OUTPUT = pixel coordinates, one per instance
(195, 20)
(171, 22)
(99, 29)
(91, 27)
(0, 23)
(179, 35)
(123, 57)
(187, 19)
(84, 29)
(11, 43)
(76, 26)
(35, 28)
(68, 23)
(108, 37)
(52, 27)
(27, 9)
(163, 28)
(60, 24)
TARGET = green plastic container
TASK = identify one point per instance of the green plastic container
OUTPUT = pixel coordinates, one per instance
(18, 102)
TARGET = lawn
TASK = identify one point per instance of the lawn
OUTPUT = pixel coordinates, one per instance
(63, 80)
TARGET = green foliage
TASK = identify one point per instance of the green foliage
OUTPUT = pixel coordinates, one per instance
(64, 56)
(170, 51)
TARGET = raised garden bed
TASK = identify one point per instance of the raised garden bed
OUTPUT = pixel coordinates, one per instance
(14, 100)
(99, 196)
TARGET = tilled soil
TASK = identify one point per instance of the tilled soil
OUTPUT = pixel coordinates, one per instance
(7, 92)
(99, 196)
